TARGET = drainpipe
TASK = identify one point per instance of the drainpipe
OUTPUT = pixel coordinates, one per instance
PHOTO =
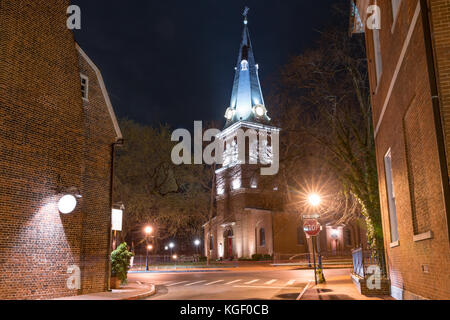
(119, 142)
(436, 107)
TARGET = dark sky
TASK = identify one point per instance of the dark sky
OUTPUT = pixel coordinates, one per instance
(173, 61)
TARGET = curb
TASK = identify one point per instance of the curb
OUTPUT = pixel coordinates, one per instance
(143, 295)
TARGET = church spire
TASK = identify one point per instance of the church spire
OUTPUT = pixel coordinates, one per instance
(247, 102)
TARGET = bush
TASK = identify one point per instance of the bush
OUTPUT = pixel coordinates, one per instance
(260, 257)
(120, 262)
(202, 259)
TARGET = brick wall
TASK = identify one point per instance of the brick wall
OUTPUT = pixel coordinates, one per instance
(403, 115)
(50, 142)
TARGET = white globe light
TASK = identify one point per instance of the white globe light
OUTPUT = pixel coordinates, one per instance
(197, 242)
(171, 245)
(314, 199)
(229, 114)
(67, 204)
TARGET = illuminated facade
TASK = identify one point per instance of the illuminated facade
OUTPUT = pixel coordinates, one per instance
(250, 209)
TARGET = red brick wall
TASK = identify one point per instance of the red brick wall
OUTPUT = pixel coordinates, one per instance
(406, 126)
(43, 130)
(99, 135)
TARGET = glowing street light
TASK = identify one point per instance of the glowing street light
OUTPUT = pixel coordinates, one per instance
(148, 230)
(149, 247)
(174, 257)
(314, 199)
(197, 242)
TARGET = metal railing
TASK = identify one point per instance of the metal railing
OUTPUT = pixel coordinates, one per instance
(139, 262)
(364, 259)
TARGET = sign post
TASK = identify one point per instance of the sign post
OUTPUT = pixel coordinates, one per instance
(312, 229)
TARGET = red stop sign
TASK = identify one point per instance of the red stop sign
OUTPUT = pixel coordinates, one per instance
(311, 227)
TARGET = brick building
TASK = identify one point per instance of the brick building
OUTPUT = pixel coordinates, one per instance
(57, 133)
(409, 66)
(252, 217)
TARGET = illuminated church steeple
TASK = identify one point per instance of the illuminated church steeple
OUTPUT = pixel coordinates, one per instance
(247, 102)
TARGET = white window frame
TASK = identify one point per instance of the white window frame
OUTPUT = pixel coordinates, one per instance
(395, 12)
(86, 78)
(393, 220)
(377, 55)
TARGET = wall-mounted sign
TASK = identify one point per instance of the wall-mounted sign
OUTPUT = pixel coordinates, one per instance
(116, 219)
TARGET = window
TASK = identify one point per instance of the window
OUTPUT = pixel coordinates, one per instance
(262, 237)
(395, 8)
(347, 237)
(377, 54)
(211, 242)
(391, 196)
(84, 87)
(300, 236)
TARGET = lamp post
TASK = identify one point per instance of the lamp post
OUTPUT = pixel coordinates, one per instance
(315, 200)
(171, 246)
(148, 230)
(149, 248)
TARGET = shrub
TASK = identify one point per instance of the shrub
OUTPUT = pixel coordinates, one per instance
(120, 262)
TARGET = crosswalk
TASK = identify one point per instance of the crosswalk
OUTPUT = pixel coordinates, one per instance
(240, 283)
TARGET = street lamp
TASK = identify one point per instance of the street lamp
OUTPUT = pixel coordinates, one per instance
(197, 244)
(171, 246)
(314, 199)
(148, 230)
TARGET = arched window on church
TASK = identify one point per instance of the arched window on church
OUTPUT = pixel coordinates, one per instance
(300, 236)
(262, 237)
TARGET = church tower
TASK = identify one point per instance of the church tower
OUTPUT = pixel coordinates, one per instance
(246, 199)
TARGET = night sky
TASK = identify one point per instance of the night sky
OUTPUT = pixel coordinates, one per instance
(173, 61)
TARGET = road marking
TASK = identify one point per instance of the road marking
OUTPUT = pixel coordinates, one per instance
(253, 281)
(197, 282)
(269, 287)
(300, 296)
(214, 282)
(231, 282)
(271, 281)
(174, 284)
(290, 282)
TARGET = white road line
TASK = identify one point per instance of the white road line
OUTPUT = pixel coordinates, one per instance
(269, 287)
(174, 284)
(271, 281)
(197, 282)
(290, 282)
(253, 281)
(300, 296)
(214, 282)
(231, 282)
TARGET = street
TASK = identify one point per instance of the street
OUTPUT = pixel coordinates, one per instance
(252, 284)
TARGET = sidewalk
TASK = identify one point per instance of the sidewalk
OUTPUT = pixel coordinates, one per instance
(337, 288)
(131, 291)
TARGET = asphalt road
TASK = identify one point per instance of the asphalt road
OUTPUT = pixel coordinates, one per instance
(273, 284)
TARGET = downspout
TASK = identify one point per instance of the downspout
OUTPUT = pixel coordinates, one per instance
(436, 107)
(119, 142)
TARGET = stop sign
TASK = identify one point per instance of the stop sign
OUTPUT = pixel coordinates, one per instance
(311, 227)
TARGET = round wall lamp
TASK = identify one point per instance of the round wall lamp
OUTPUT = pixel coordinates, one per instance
(67, 204)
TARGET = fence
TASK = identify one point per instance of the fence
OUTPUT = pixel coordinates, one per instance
(139, 262)
(363, 259)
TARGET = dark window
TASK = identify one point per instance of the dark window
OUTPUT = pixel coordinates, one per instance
(211, 243)
(300, 236)
(347, 237)
(262, 237)
(84, 86)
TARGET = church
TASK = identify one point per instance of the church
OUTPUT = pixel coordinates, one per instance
(251, 217)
